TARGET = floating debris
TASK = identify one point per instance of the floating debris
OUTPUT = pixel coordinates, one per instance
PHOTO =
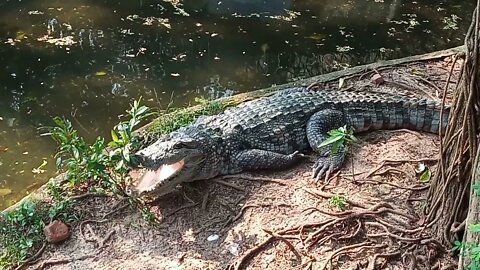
(5, 191)
(64, 41)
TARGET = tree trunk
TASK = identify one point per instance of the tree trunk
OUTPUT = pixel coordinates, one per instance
(449, 192)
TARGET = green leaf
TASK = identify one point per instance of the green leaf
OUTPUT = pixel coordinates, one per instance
(476, 188)
(119, 165)
(76, 153)
(141, 110)
(475, 228)
(335, 146)
(425, 176)
(114, 135)
(126, 154)
(330, 140)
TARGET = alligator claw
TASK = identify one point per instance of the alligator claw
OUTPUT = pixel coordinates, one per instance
(324, 166)
(296, 155)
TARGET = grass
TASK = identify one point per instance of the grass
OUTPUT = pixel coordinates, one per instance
(176, 118)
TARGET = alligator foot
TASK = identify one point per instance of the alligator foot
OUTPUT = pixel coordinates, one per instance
(324, 166)
(257, 159)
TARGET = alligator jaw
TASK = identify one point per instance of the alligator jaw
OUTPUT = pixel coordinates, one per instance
(152, 178)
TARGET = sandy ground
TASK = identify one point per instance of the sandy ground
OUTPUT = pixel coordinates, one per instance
(211, 225)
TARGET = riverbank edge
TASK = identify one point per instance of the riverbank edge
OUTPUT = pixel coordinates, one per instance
(41, 193)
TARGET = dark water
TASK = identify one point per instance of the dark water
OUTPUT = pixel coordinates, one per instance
(87, 60)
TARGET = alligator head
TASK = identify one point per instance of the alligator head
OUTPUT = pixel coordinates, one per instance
(178, 157)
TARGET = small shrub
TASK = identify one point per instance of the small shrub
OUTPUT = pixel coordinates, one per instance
(338, 201)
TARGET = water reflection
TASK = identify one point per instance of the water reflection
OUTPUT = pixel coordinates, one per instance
(86, 60)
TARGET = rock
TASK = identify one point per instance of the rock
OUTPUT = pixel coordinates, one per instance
(56, 231)
(213, 237)
(377, 79)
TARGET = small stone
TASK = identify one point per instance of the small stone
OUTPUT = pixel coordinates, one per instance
(377, 79)
(56, 231)
(234, 249)
(213, 237)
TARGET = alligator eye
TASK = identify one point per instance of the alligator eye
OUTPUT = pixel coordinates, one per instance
(185, 144)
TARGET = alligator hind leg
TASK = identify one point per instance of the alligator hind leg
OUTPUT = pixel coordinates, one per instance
(257, 159)
(317, 127)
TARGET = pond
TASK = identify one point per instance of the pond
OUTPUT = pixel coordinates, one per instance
(87, 60)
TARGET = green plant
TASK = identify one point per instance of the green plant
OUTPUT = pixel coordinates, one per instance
(469, 250)
(84, 163)
(338, 138)
(338, 201)
(476, 188)
(55, 190)
(80, 161)
(123, 141)
(147, 215)
(176, 118)
(21, 230)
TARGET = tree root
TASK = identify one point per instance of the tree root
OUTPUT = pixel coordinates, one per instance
(253, 178)
(52, 262)
(357, 232)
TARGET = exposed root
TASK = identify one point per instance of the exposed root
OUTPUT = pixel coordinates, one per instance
(360, 231)
(246, 206)
(346, 249)
(227, 184)
(237, 265)
(87, 195)
(386, 161)
(283, 239)
(373, 260)
(326, 195)
(53, 262)
(190, 205)
(412, 188)
(253, 178)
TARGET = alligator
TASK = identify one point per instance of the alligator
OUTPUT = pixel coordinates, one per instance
(270, 133)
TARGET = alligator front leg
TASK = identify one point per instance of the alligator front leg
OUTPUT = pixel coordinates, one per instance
(317, 127)
(257, 159)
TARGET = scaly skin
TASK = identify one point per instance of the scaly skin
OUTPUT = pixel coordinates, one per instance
(271, 133)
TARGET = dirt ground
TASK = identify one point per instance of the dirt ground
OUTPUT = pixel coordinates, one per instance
(284, 220)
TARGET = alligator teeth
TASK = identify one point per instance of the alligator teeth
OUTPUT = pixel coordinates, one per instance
(167, 171)
(152, 178)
